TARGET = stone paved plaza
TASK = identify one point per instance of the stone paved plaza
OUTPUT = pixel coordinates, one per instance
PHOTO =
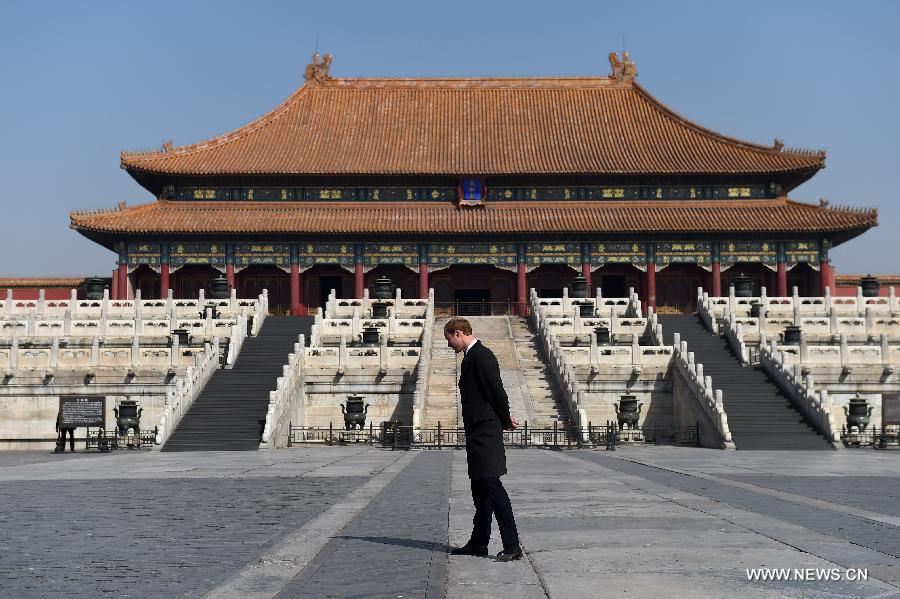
(363, 522)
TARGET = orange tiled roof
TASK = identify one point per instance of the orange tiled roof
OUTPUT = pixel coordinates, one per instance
(472, 126)
(752, 216)
(40, 282)
(854, 280)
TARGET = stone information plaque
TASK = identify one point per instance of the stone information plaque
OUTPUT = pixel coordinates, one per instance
(82, 410)
(890, 409)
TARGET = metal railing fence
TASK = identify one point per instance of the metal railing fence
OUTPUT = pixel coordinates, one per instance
(874, 438)
(561, 436)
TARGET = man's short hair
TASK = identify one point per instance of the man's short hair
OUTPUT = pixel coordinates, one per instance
(458, 324)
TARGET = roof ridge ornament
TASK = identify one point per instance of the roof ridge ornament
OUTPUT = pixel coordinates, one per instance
(624, 69)
(318, 70)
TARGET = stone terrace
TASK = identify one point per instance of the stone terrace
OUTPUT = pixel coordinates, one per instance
(638, 522)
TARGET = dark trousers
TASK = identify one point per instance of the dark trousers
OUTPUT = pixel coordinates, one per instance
(491, 499)
(61, 442)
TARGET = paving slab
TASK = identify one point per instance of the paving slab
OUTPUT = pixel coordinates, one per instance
(598, 529)
(146, 524)
(394, 547)
(356, 521)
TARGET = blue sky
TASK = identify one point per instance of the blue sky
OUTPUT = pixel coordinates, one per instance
(82, 81)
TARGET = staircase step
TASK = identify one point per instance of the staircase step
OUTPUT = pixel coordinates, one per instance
(759, 414)
(230, 411)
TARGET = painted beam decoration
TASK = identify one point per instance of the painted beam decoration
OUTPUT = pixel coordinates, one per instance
(312, 254)
(680, 252)
(762, 252)
(796, 252)
(441, 255)
(553, 253)
(407, 194)
(406, 254)
(247, 254)
(144, 253)
(471, 190)
(619, 252)
(182, 254)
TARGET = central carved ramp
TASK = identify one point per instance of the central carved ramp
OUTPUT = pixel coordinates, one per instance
(760, 416)
(495, 333)
(230, 412)
(441, 403)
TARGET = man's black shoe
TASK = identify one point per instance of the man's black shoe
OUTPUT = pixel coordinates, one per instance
(469, 549)
(508, 555)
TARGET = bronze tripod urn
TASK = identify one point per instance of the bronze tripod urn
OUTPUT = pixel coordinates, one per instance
(354, 412)
(628, 411)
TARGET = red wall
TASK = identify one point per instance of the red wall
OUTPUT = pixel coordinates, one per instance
(49, 294)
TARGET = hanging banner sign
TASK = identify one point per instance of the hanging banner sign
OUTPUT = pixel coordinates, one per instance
(471, 192)
(619, 252)
(680, 252)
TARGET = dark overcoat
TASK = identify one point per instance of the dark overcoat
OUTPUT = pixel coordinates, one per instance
(485, 411)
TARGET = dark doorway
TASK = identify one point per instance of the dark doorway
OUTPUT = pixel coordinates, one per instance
(254, 279)
(147, 281)
(472, 302)
(192, 278)
(555, 292)
(614, 286)
(676, 288)
(326, 284)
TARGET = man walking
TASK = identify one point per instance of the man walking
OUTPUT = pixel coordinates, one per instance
(485, 410)
(62, 431)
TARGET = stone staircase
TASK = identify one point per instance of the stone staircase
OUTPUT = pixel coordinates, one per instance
(230, 412)
(442, 403)
(760, 416)
(529, 383)
(542, 387)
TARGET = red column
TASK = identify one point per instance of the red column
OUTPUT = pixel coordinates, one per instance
(359, 281)
(123, 281)
(229, 274)
(782, 279)
(825, 278)
(586, 273)
(114, 292)
(164, 284)
(651, 285)
(296, 309)
(716, 276)
(423, 280)
(521, 291)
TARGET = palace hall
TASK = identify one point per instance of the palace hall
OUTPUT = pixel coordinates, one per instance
(480, 188)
